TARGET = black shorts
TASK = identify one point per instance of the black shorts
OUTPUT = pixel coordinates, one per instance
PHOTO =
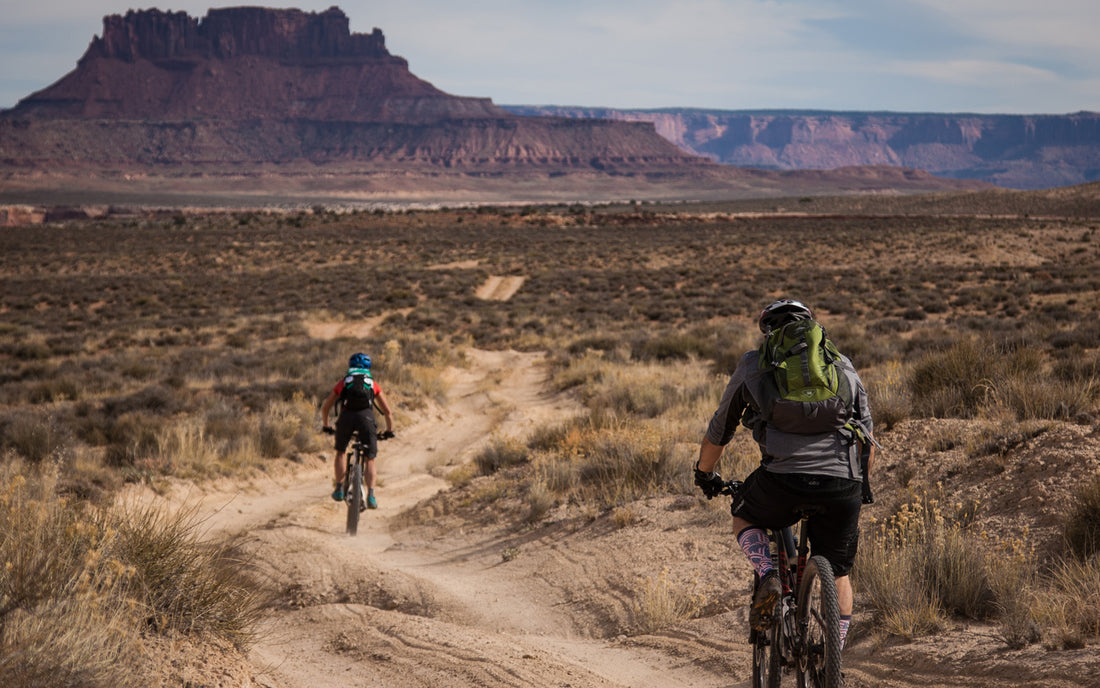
(773, 500)
(357, 422)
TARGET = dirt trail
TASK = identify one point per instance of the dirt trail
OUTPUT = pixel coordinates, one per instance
(375, 611)
(438, 605)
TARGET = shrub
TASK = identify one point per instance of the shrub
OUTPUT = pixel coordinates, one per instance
(501, 453)
(81, 584)
(965, 378)
(662, 602)
(62, 612)
(1030, 398)
(540, 499)
(1013, 578)
(285, 427)
(889, 395)
(186, 585)
(131, 439)
(919, 566)
(1070, 606)
(33, 435)
(1082, 526)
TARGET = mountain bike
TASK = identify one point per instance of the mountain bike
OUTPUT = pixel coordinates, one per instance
(356, 498)
(804, 634)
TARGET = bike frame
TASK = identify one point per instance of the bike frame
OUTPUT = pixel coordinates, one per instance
(789, 644)
(789, 559)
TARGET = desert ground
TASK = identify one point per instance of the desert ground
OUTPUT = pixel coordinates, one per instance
(457, 580)
(476, 601)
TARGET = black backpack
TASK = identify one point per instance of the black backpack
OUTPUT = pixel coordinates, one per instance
(358, 393)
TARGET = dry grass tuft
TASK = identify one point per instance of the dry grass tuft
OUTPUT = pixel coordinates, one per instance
(662, 602)
(81, 584)
(1082, 527)
(919, 566)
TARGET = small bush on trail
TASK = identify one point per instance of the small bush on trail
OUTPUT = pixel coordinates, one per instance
(1082, 527)
(661, 602)
(501, 453)
(919, 565)
(81, 584)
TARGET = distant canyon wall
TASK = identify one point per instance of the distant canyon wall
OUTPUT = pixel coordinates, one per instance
(1014, 151)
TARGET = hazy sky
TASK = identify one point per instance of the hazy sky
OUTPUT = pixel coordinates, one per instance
(985, 56)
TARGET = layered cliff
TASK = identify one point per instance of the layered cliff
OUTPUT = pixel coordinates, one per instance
(242, 63)
(1020, 151)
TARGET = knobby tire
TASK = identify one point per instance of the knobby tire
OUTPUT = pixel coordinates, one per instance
(775, 647)
(819, 615)
(767, 671)
(759, 660)
(355, 497)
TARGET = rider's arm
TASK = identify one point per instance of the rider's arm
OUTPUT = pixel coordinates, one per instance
(709, 453)
(735, 398)
(326, 408)
(384, 407)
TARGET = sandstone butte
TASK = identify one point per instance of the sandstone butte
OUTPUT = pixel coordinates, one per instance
(250, 84)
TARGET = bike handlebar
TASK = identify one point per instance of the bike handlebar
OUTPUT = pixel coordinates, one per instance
(384, 435)
(732, 488)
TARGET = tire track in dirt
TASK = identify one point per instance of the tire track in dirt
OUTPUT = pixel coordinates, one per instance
(374, 611)
(497, 288)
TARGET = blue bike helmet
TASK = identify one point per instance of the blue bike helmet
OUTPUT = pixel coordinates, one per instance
(359, 361)
(782, 312)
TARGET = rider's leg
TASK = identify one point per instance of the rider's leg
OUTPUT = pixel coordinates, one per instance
(755, 544)
(844, 595)
(844, 600)
(338, 466)
(371, 475)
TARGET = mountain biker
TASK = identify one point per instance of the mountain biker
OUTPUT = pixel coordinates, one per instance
(356, 415)
(796, 470)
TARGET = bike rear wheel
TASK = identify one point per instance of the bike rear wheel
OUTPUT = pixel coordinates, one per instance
(819, 619)
(354, 497)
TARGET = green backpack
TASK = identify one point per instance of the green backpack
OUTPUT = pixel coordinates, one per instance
(804, 393)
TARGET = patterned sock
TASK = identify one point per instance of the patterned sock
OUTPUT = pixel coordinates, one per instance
(845, 622)
(754, 543)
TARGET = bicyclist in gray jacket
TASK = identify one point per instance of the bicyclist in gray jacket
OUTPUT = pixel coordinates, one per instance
(796, 470)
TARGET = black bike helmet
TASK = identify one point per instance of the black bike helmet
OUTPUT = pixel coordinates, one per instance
(782, 312)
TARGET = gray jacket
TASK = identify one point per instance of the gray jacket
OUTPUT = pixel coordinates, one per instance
(834, 453)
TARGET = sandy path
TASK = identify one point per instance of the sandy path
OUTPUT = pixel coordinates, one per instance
(498, 288)
(445, 610)
(372, 611)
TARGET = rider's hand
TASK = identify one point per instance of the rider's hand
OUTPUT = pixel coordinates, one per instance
(328, 430)
(868, 498)
(385, 435)
(710, 483)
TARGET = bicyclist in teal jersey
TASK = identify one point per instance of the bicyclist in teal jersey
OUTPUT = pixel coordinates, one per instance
(797, 470)
(358, 393)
